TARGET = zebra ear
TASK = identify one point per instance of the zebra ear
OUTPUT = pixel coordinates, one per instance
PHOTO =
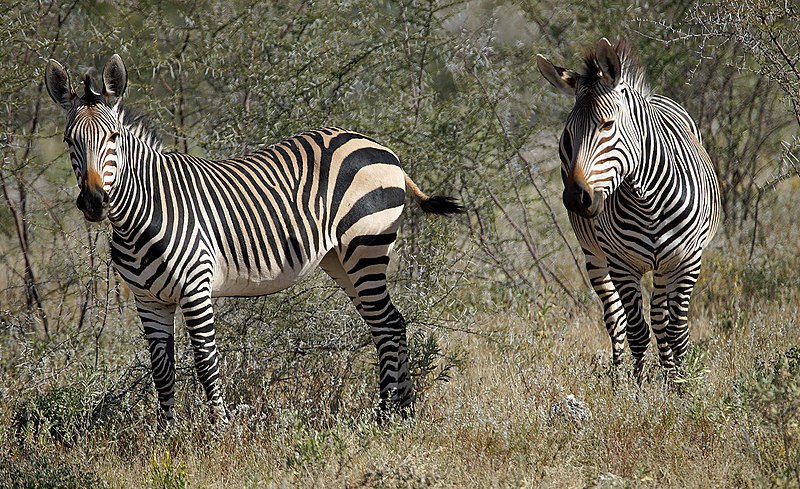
(58, 85)
(608, 62)
(561, 78)
(115, 79)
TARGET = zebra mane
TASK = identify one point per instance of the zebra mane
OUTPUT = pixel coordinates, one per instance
(136, 123)
(632, 71)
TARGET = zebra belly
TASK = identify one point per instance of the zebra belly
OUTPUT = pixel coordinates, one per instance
(229, 282)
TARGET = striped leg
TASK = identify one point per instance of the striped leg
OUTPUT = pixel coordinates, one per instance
(333, 267)
(680, 292)
(365, 262)
(199, 314)
(613, 312)
(158, 321)
(660, 319)
(628, 284)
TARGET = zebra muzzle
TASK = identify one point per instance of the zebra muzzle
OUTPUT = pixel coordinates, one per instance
(581, 199)
(93, 202)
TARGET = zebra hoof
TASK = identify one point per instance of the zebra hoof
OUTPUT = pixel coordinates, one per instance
(165, 419)
(677, 381)
(219, 416)
(389, 411)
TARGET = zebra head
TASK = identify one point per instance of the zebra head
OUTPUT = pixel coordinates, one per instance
(596, 148)
(93, 125)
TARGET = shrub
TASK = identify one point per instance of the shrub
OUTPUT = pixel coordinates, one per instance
(430, 364)
(774, 398)
(62, 412)
(36, 469)
(164, 474)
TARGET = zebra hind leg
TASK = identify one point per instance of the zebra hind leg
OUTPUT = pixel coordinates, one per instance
(660, 318)
(158, 321)
(331, 265)
(365, 266)
(679, 295)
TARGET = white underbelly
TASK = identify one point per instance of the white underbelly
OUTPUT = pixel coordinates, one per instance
(239, 282)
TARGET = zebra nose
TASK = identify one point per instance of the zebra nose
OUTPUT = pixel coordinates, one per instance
(93, 202)
(578, 197)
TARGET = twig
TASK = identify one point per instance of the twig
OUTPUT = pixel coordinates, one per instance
(551, 214)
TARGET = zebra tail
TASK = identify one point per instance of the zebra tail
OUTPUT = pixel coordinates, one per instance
(441, 204)
(435, 204)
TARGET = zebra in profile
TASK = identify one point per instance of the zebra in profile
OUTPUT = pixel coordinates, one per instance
(186, 229)
(642, 196)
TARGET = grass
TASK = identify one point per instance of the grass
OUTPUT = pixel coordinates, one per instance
(488, 382)
(488, 426)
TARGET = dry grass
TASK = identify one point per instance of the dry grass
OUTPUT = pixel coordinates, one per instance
(491, 426)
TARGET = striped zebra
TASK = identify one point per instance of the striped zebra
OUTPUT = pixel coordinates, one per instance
(186, 229)
(642, 196)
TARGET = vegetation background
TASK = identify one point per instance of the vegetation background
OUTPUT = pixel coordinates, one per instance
(503, 325)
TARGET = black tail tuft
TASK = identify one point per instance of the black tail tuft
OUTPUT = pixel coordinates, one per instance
(439, 204)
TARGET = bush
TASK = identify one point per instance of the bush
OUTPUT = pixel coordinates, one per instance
(62, 412)
(429, 363)
(774, 397)
(36, 469)
(165, 474)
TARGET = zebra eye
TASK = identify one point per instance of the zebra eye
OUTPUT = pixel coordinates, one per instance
(607, 125)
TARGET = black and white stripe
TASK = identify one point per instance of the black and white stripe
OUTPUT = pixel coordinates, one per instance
(642, 196)
(186, 229)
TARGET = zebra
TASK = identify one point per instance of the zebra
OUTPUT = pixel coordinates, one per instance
(642, 196)
(186, 229)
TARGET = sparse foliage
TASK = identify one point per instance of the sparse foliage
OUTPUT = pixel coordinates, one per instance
(165, 474)
(754, 54)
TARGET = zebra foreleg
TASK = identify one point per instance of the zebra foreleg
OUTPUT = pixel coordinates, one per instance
(613, 312)
(158, 321)
(628, 284)
(199, 314)
(660, 319)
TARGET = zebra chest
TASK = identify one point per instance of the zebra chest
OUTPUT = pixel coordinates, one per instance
(158, 265)
(627, 244)
(645, 235)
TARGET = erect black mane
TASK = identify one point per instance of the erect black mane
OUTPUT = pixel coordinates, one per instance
(137, 123)
(90, 97)
(632, 71)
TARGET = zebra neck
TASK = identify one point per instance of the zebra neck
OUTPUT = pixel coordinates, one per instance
(656, 168)
(649, 167)
(135, 189)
